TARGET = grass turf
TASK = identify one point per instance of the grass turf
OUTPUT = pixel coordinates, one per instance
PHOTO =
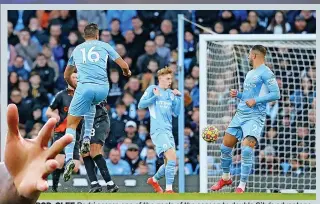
(184, 196)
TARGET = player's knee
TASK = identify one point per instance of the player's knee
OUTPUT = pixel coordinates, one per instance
(250, 141)
(171, 155)
(95, 149)
(229, 140)
(247, 154)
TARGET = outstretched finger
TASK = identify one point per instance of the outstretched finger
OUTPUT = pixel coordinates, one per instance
(13, 122)
(42, 185)
(45, 132)
(50, 166)
(59, 145)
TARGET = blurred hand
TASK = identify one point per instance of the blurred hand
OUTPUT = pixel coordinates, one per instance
(127, 74)
(233, 93)
(156, 91)
(176, 92)
(251, 102)
(29, 162)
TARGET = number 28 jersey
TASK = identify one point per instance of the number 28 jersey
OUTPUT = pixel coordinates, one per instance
(90, 59)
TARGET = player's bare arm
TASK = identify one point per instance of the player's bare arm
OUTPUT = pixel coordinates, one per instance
(124, 66)
(27, 162)
(67, 75)
(53, 114)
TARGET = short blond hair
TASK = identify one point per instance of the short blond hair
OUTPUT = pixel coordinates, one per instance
(164, 71)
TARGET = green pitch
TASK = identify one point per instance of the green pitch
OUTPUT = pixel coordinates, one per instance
(183, 196)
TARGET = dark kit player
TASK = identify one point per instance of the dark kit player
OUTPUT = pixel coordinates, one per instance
(59, 110)
(99, 133)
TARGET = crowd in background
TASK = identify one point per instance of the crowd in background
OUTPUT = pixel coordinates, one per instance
(41, 42)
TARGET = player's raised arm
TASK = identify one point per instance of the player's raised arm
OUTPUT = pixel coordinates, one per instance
(270, 81)
(71, 67)
(118, 59)
(148, 97)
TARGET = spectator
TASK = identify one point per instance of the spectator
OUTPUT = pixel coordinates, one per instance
(12, 37)
(169, 34)
(45, 16)
(73, 42)
(116, 32)
(147, 79)
(151, 161)
(245, 28)
(131, 132)
(310, 20)
(162, 51)
(300, 25)
(218, 27)
(151, 19)
(124, 146)
(254, 22)
(228, 20)
(278, 24)
(189, 84)
(13, 81)
(171, 15)
(23, 107)
(142, 118)
(66, 21)
(45, 72)
(206, 18)
(56, 32)
(143, 60)
(132, 157)
(20, 18)
(303, 98)
(133, 86)
(106, 37)
(26, 48)
(148, 145)
(189, 49)
(38, 35)
(47, 52)
(153, 67)
(124, 17)
(141, 35)
(143, 132)
(130, 103)
(97, 16)
(18, 67)
(37, 92)
(24, 87)
(36, 118)
(116, 165)
(117, 125)
(81, 25)
(142, 169)
(58, 52)
(116, 89)
(195, 74)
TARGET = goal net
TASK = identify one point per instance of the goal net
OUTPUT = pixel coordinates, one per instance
(285, 157)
